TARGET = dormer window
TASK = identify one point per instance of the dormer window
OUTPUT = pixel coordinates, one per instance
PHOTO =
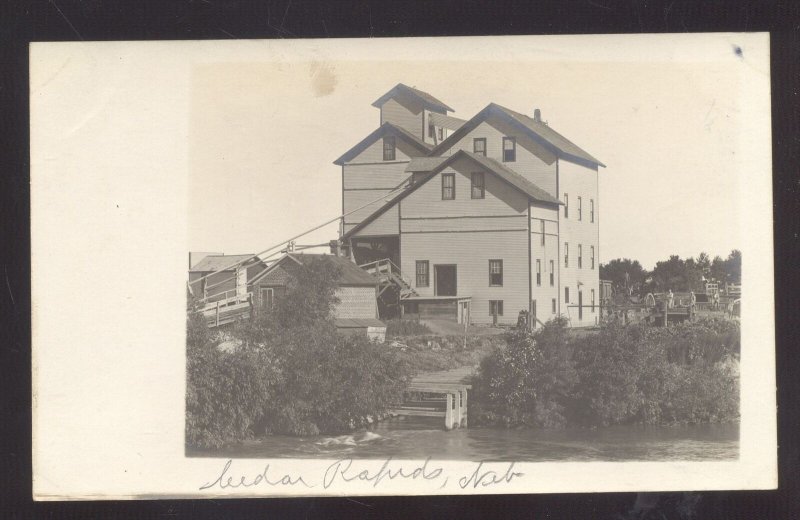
(389, 148)
(479, 146)
(440, 131)
(509, 149)
(431, 131)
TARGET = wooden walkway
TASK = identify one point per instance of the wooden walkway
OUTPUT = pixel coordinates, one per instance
(439, 394)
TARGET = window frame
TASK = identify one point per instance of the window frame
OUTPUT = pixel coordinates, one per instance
(452, 186)
(482, 177)
(592, 251)
(270, 290)
(440, 133)
(566, 294)
(431, 131)
(393, 140)
(566, 254)
(499, 262)
(541, 228)
(538, 272)
(553, 301)
(533, 311)
(552, 273)
(592, 300)
(475, 141)
(498, 304)
(427, 273)
(513, 150)
(580, 209)
(580, 256)
(591, 210)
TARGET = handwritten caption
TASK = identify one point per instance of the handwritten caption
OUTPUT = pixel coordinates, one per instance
(344, 472)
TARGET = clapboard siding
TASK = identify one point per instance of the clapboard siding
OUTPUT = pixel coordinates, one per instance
(385, 224)
(534, 162)
(369, 176)
(500, 197)
(579, 181)
(405, 112)
(356, 302)
(471, 253)
(355, 199)
(465, 223)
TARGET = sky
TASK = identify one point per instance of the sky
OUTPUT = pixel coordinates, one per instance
(263, 136)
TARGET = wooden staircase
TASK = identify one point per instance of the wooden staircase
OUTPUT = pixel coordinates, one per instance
(389, 275)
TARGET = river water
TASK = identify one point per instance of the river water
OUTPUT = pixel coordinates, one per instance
(419, 438)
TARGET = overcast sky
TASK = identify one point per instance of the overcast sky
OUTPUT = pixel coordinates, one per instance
(264, 135)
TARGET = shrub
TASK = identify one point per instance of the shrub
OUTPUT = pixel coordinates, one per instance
(686, 373)
(291, 372)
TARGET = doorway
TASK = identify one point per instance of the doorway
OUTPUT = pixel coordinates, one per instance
(445, 280)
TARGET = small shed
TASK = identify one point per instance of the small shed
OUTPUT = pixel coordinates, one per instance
(356, 291)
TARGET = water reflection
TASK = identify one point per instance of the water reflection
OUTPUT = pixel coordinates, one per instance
(419, 438)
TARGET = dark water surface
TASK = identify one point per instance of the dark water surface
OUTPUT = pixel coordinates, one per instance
(419, 438)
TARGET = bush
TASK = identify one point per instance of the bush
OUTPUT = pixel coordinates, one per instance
(687, 373)
(290, 373)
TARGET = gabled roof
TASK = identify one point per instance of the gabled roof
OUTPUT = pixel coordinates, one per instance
(427, 99)
(381, 131)
(350, 274)
(213, 263)
(431, 168)
(538, 131)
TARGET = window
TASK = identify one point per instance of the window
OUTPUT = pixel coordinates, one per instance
(553, 302)
(495, 307)
(591, 210)
(566, 294)
(495, 273)
(431, 131)
(541, 229)
(479, 146)
(580, 256)
(533, 310)
(440, 133)
(422, 273)
(448, 186)
(552, 273)
(388, 148)
(566, 205)
(478, 190)
(509, 149)
(538, 273)
(566, 254)
(592, 300)
(268, 298)
(592, 252)
(580, 208)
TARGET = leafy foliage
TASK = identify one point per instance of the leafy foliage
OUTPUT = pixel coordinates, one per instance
(288, 371)
(686, 373)
(398, 328)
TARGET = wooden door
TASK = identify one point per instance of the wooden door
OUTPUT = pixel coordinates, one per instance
(445, 280)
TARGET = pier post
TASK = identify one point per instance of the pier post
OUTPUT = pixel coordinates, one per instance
(448, 412)
(464, 412)
(457, 410)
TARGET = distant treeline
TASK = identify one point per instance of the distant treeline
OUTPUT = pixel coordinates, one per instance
(676, 274)
(686, 373)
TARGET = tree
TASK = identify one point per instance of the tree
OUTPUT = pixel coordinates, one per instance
(733, 267)
(626, 275)
(676, 275)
